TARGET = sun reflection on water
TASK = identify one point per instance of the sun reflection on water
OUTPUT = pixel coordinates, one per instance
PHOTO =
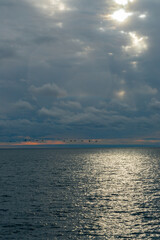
(118, 183)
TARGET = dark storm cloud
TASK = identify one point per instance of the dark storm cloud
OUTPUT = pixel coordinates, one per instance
(69, 70)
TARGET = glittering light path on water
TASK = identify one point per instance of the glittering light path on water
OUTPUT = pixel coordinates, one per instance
(80, 194)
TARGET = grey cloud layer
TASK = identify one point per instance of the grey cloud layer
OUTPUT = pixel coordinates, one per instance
(65, 72)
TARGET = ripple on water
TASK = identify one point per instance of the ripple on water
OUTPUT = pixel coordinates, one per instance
(80, 194)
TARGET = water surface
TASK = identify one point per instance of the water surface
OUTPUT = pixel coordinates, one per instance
(110, 193)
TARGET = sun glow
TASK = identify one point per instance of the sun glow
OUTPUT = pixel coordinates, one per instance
(121, 15)
(123, 2)
(120, 94)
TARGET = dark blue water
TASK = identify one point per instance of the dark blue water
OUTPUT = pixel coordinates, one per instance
(80, 194)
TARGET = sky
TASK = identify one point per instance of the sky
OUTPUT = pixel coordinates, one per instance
(79, 69)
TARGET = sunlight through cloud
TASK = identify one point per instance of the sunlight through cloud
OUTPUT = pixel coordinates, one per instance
(138, 44)
(121, 15)
(142, 16)
(120, 94)
(123, 2)
(85, 51)
(50, 6)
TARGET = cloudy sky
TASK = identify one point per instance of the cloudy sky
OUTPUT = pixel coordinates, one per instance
(79, 69)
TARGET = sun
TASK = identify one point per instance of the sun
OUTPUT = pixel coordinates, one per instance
(121, 15)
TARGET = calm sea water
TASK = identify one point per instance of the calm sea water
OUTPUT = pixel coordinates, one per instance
(80, 194)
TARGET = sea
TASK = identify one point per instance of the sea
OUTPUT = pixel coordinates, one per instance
(80, 193)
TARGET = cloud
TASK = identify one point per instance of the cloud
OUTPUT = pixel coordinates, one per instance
(147, 90)
(24, 105)
(85, 74)
(6, 52)
(48, 90)
(154, 104)
(51, 112)
(71, 105)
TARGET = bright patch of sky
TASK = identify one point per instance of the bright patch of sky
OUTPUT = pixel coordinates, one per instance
(121, 15)
(123, 2)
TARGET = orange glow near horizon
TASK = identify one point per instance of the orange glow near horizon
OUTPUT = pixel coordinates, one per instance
(124, 141)
(34, 143)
